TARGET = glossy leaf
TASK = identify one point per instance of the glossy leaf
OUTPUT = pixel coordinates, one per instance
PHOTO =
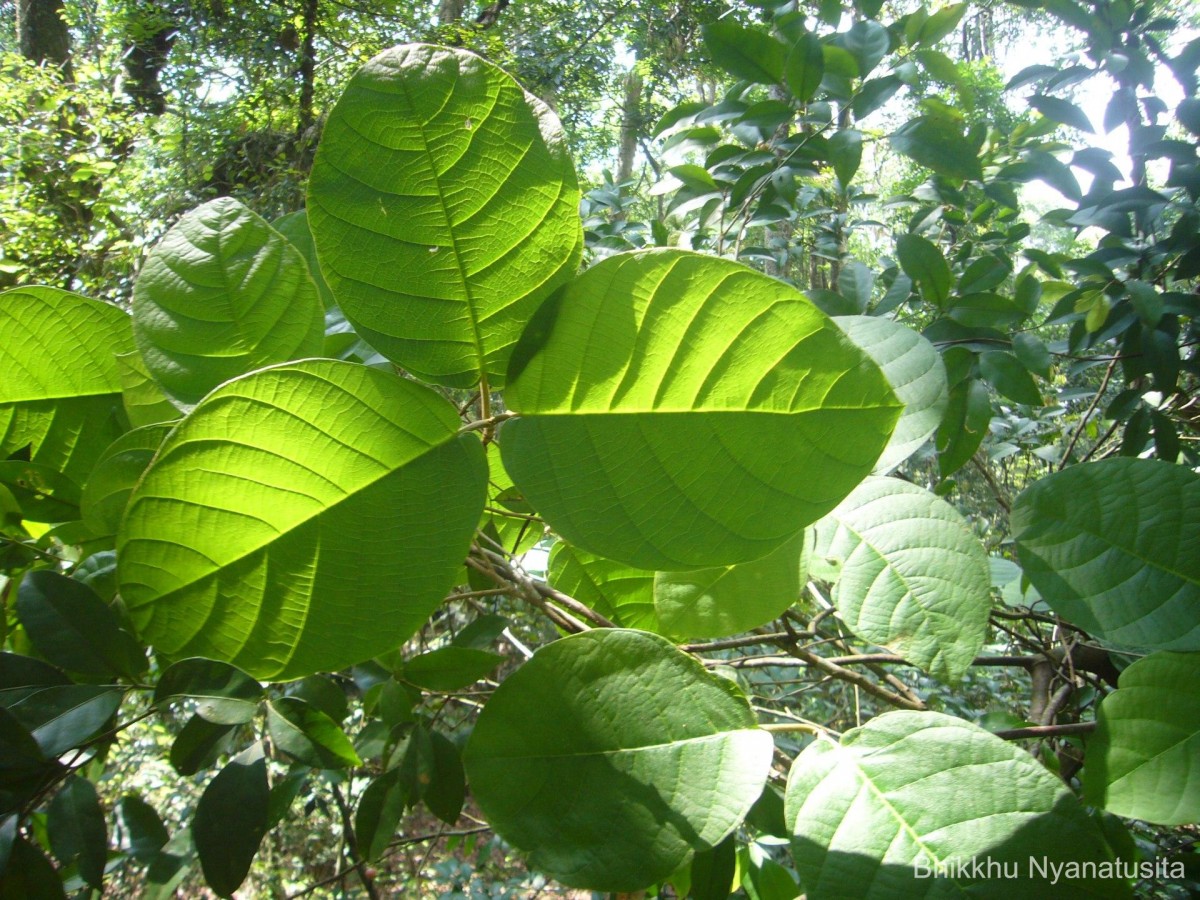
(938, 144)
(447, 789)
(72, 627)
(1114, 547)
(923, 262)
(223, 694)
(242, 542)
(914, 578)
(438, 162)
(670, 755)
(144, 830)
(621, 593)
(450, 668)
(804, 67)
(378, 814)
(744, 52)
(78, 834)
(1008, 376)
(222, 294)
(730, 599)
(650, 434)
(61, 391)
(908, 794)
(66, 716)
(323, 692)
(917, 375)
(309, 736)
(231, 819)
(1143, 760)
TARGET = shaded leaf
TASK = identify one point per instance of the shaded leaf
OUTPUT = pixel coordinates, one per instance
(144, 830)
(78, 834)
(231, 819)
(620, 593)
(924, 263)
(450, 668)
(224, 694)
(671, 755)
(308, 735)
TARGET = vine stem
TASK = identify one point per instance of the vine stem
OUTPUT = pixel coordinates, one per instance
(1088, 413)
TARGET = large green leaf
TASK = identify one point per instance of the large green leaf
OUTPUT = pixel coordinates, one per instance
(60, 394)
(621, 593)
(914, 578)
(926, 805)
(744, 52)
(221, 294)
(302, 518)
(1114, 547)
(924, 263)
(444, 207)
(1144, 760)
(611, 757)
(917, 374)
(231, 819)
(117, 470)
(679, 411)
(730, 599)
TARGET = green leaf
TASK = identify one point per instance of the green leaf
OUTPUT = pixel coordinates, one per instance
(909, 794)
(294, 227)
(1114, 547)
(730, 599)
(30, 875)
(855, 281)
(322, 692)
(720, 414)
(447, 788)
(42, 493)
(308, 735)
(939, 25)
(867, 42)
(1033, 353)
(744, 52)
(923, 262)
(1143, 760)
(845, 149)
(621, 593)
(1062, 111)
(918, 377)
(966, 422)
(72, 627)
(62, 717)
(1008, 376)
(805, 67)
(198, 745)
(75, 824)
(221, 294)
(143, 399)
(450, 668)
(914, 577)
(144, 830)
(437, 161)
(61, 391)
(713, 871)
(231, 819)
(671, 757)
(243, 542)
(223, 694)
(937, 143)
(378, 814)
(117, 470)
(481, 632)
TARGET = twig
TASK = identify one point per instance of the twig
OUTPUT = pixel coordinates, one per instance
(1042, 731)
(1088, 413)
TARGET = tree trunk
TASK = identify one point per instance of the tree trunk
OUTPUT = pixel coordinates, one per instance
(42, 33)
(307, 67)
(147, 49)
(450, 11)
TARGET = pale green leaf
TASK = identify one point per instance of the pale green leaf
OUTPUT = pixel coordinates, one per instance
(938, 144)
(221, 294)
(1144, 760)
(891, 809)
(914, 578)
(145, 403)
(61, 391)
(744, 52)
(302, 518)
(117, 470)
(679, 411)
(620, 593)
(666, 759)
(1114, 547)
(438, 163)
(709, 603)
(917, 374)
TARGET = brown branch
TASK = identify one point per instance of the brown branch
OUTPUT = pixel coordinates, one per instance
(356, 860)
(1088, 413)
(1044, 731)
